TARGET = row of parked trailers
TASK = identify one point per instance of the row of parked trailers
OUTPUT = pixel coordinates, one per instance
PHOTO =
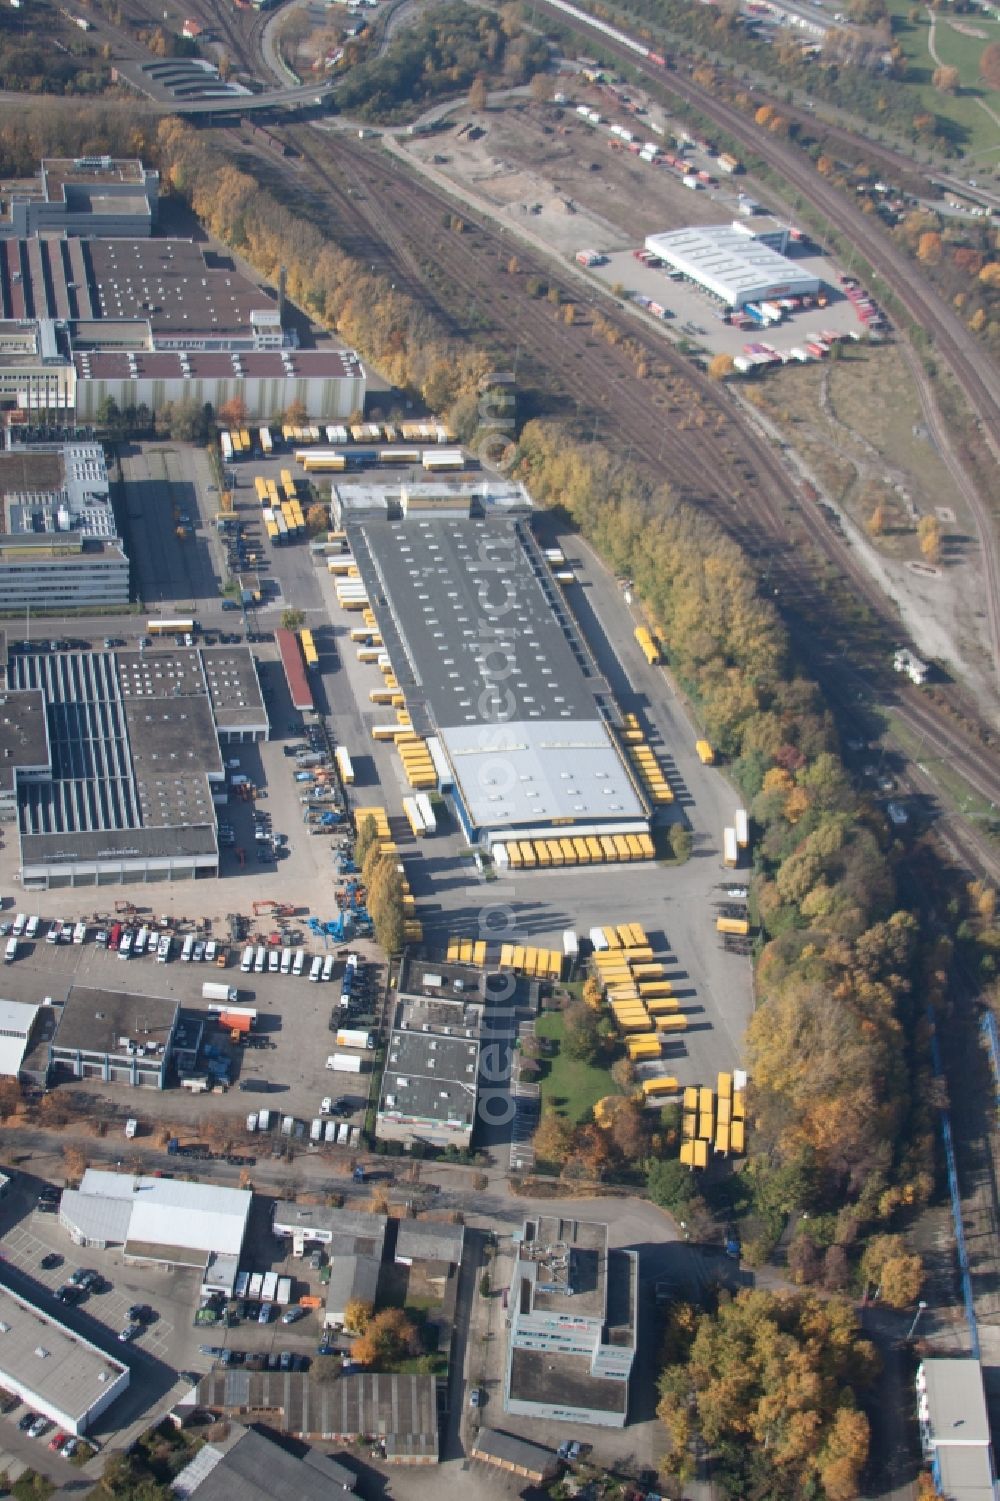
(592, 849)
(263, 1287)
(419, 814)
(339, 460)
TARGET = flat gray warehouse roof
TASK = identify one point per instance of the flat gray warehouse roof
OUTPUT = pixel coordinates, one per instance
(96, 1021)
(42, 1356)
(471, 621)
(731, 263)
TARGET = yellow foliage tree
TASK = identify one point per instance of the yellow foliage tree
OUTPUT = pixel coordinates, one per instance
(929, 535)
(720, 366)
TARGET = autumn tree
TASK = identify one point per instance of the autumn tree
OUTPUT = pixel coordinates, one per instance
(593, 995)
(876, 521)
(541, 88)
(233, 413)
(929, 248)
(317, 519)
(929, 536)
(292, 619)
(388, 1338)
(367, 836)
(945, 80)
(895, 1274)
(478, 94)
(771, 1382)
(553, 1137)
(721, 366)
(357, 1315)
(989, 65)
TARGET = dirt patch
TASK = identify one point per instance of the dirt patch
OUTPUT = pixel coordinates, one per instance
(858, 426)
(540, 164)
(965, 30)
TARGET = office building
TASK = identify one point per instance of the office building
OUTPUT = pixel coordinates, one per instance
(59, 543)
(86, 195)
(572, 1321)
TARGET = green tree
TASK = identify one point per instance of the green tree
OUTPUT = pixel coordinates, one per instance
(670, 1184)
(681, 842)
(367, 836)
(581, 1037)
(292, 619)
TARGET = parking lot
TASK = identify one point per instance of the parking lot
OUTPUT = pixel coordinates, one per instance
(676, 905)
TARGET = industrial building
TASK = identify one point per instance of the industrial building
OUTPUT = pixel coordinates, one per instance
(113, 1037)
(355, 1245)
(245, 1465)
(515, 1456)
(17, 1031)
(87, 195)
(400, 1412)
(58, 1373)
(164, 1222)
(116, 759)
(492, 666)
(955, 1428)
(572, 1322)
(89, 315)
(734, 262)
(430, 1083)
(59, 543)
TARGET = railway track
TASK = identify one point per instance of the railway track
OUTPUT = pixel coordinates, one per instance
(975, 376)
(735, 476)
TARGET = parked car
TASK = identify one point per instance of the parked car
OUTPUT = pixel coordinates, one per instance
(292, 1315)
(141, 1313)
(569, 1450)
(49, 1260)
(129, 1333)
(38, 1427)
(476, 1397)
(25, 1421)
(57, 1440)
(69, 1293)
(69, 1448)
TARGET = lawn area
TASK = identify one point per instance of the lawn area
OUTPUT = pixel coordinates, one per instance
(571, 1088)
(975, 132)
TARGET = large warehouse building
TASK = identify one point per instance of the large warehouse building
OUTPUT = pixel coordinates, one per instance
(491, 662)
(85, 320)
(112, 760)
(733, 263)
(56, 1372)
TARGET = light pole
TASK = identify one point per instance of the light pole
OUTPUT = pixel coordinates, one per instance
(916, 1319)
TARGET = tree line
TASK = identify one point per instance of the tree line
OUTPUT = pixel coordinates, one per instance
(442, 53)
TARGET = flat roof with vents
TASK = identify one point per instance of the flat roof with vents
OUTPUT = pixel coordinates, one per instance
(490, 660)
(131, 744)
(56, 1371)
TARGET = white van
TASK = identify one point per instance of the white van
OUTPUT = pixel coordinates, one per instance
(246, 963)
(211, 951)
(131, 1127)
(188, 949)
(252, 1122)
(80, 933)
(273, 961)
(163, 949)
(316, 970)
(54, 935)
(10, 952)
(286, 961)
(298, 963)
(125, 945)
(260, 959)
(141, 939)
(331, 1131)
(31, 927)
(316, 1130)
(19, 922)
(328, 967)
(343, 1132)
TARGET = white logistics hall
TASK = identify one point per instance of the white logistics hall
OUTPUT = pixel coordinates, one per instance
(733, 263)
(56, 1372)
